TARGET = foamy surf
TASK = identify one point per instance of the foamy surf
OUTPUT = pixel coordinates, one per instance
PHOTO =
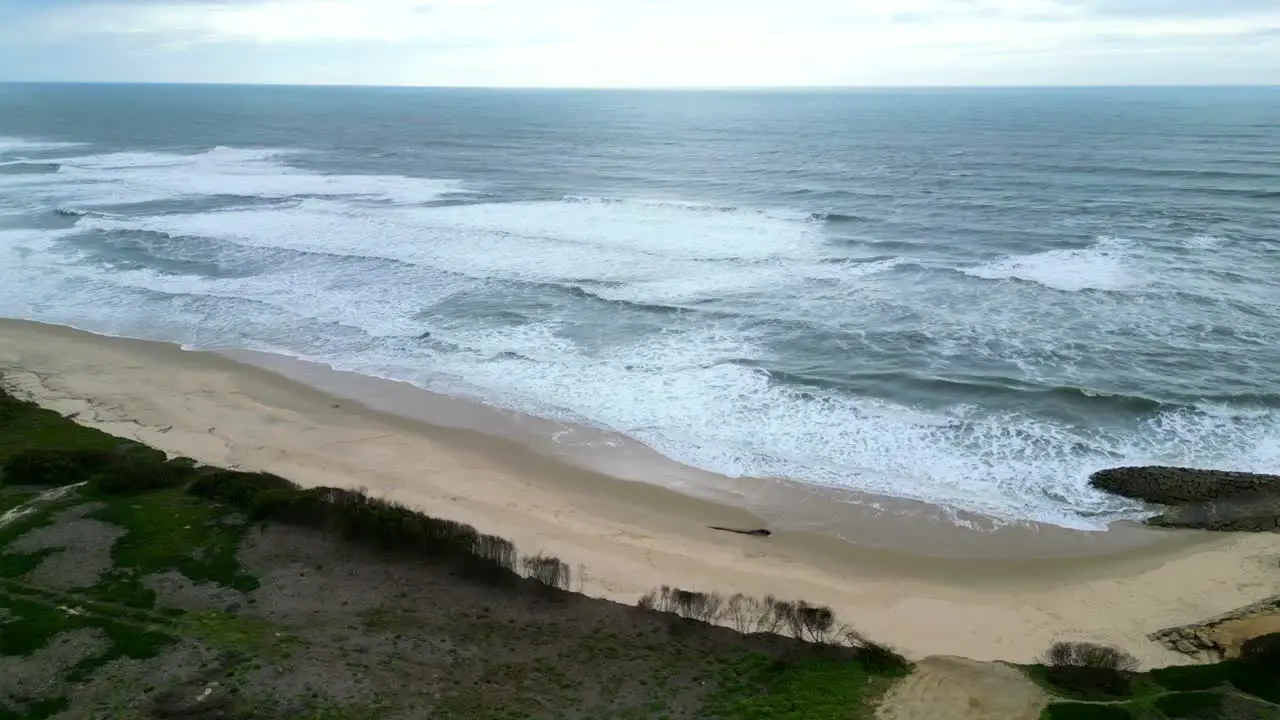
(1110, 263)
(735, 338)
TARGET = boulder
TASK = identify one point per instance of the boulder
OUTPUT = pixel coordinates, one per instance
(1182, 486)
(1258, 513)
(1255, 514)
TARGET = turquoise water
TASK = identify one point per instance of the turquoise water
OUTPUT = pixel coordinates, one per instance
(968, 297)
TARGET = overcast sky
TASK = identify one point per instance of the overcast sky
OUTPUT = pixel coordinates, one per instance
(627, 43)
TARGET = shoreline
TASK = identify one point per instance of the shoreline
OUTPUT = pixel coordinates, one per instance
(231, 409)
(853, 516)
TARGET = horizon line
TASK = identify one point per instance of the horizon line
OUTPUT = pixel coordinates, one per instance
(658, 88)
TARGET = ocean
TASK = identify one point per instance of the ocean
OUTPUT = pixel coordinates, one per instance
(972, 298)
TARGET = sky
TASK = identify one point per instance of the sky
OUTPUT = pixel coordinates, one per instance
(644, 43)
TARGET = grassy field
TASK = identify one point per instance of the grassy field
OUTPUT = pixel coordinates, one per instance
(1230, 690)
(135, 586)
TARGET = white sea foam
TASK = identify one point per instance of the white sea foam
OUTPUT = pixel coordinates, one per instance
(682, 392)
(136, 177)
(1205, 242)
(671, 392)
(19, 146)
(658, 254)
(347, 270)
(1110, 263)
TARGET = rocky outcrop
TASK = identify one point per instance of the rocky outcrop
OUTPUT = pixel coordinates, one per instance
(1200, 499)
(1180, 486)
(1223, 635)
(1248, 514)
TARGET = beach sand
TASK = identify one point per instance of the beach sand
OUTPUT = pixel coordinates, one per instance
(906, 576)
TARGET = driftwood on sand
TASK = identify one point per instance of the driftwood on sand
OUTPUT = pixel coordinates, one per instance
(758, 532)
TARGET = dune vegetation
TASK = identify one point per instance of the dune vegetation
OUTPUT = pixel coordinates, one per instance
(134, 585)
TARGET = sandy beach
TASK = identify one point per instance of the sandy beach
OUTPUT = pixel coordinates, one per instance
(916, 581)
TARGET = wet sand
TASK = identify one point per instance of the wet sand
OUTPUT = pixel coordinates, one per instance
(903, 573)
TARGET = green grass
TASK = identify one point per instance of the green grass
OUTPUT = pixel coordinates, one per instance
(36, 711)
(170, 530)
(1257, 681)
(1142, 686)
(1084, 711)
(1192, 677)
(25, 426)
(235, 634)
(10, 498)
(41, 515)
(1184, 691)
(758, 688)
(15, 565)
(1189, 704)
(36, 622)
(172, 527)
(32, 626)
(165, 530)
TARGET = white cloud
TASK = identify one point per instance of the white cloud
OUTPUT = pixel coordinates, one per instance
(674, 42)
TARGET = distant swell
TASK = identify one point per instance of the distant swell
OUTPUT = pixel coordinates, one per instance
(697, 207)
(29, 168)
(836, 218)
(1004, 390)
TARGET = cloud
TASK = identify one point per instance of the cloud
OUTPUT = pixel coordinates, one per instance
(1179, 8)
(497, 21)
(685, 42)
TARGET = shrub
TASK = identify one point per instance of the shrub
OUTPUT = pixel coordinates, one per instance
(11, 407)
(784, 613)
(501, 552)
(882, 659)
(296, 507)
(875, 657)
(808, 623)
(139, 474)
(548, 570)
(1190, 704)
(662, 600)
(1087, 654)
(235, 488)
(379, 523)
(769, 618)
(1263, 650)
(1258, 674)
(490, 558)
(1192, 677)
(706, 607)
(129, 468)
(737, 610)
(1089, 682)
(697, 605)
(1089, 669)
(816, 623)
(54, 467)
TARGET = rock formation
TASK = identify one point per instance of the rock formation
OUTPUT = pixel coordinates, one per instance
(1200, 499)
(1179, 486)
(1260, 513)
(1222, 636)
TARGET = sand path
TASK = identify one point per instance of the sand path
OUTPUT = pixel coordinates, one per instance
(956, 688)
